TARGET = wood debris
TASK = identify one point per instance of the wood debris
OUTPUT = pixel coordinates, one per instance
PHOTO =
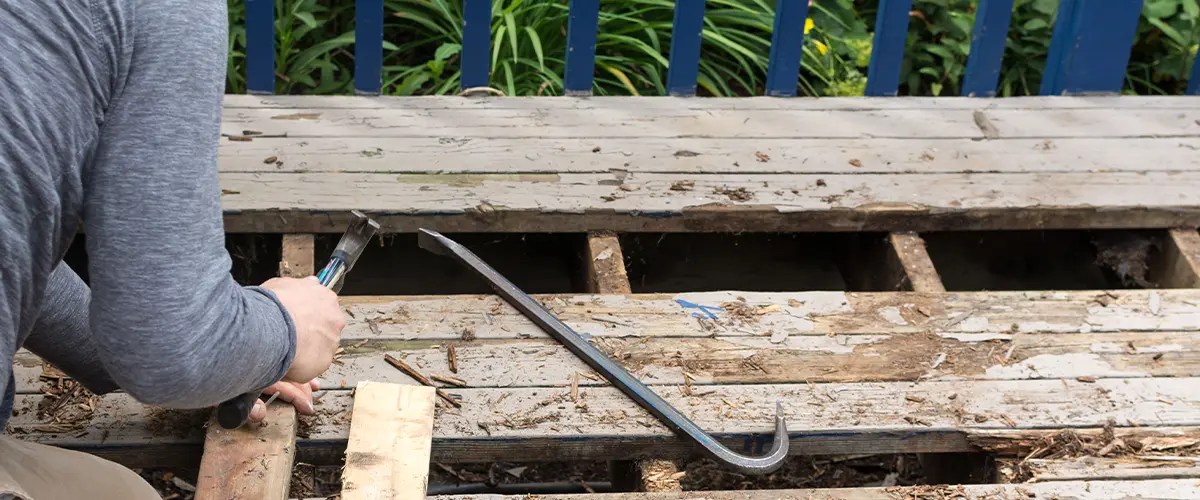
(855, 162)
(683, 185)
(761, 157)
(452, 358)
(408, 370)
(446, 379)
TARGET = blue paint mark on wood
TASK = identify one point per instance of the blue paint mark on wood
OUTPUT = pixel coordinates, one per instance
(684, 68)
(987, 48)
(368, 46)
(1090, 47)
(887, 51)
(787, 47)
(582, 22)
(260, 46)
(705, 311)
(477, 40)
(1194, 82)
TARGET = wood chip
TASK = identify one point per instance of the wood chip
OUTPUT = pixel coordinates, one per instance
(452, 358)
(1090, 380)
(408, 370)
(855, 162)
(762, 157)
(445, 379)
(915, 399)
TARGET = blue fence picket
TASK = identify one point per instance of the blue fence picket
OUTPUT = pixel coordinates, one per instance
(477, 43)
(684, 67)
(368, 46)
(582, 22)
(987, 48)
(1090, 47)
(787, 47)
(1194, 81)
(260, 46)
(887, 51)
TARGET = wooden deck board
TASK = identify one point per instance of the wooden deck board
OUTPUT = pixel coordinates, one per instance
(571, 165)
(815, 336)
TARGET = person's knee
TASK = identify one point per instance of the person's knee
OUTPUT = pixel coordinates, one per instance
(49, 473)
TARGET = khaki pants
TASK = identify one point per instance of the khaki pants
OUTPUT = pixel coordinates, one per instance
(31, 471)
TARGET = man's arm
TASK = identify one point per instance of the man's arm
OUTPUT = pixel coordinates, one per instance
(172, 327)
(62, 336)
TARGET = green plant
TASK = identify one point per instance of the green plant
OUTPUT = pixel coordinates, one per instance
(423, 47)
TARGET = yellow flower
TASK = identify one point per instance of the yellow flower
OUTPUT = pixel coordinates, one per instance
(822, 48)
(808, 26)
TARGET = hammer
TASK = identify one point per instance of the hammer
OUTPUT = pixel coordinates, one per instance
(235, 412)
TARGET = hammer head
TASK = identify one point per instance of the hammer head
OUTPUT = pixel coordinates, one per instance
(355, 239)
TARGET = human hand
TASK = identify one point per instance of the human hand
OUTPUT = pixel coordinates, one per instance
(296, 393)
(319, 323)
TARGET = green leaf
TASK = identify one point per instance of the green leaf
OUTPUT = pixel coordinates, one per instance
(306, 18)
(536, 41)
(1046, 6)
(941, 51)
(936, 88)
(446, 50)
(1036, 23)
(390, 46)
(508, 78)
(1191, 8)
(1158, 9)
(512, 33)
(413, 83)
(1169, 31)
(496, 46)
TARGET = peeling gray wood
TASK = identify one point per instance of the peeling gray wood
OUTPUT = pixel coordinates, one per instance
(1164, 489)
(1051, 334)
(502, 424)
(1179, 266)
(479, 155)
(1093, 468)
(317, 202)
(913, 258)
(1183, 103)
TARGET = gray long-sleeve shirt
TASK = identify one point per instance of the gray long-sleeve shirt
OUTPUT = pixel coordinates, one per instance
(109, 121)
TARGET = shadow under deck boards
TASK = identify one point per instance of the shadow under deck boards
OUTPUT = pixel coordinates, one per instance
(903, 366)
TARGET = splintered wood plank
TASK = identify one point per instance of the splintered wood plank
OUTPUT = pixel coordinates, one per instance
(1093, 468)
(606, 265)
(913, 258)
(238, 101)
(1172, 489)
(254, 461)
(297, 261)
(387, 456)
(322, 202)
(1180, 264)
(641, 155)
(602, 424)
(784, 337)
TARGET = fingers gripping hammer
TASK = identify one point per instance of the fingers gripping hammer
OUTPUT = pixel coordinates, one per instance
(235, 412)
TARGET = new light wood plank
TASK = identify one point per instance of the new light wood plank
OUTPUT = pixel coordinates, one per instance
(602, 424)
(1163, 489)
(387, 456)
(254, 461)
(321, 202)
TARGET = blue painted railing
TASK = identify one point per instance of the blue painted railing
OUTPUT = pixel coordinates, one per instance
(1088, 53)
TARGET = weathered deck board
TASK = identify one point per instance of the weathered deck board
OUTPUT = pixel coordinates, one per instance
(1163, 489)
(733, 156)
(816, 336)
(1091, 468)
(500, 424)
(579, 165)
(321, 202)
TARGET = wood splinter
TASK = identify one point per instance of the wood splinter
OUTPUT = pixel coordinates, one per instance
(408, 370)
(452, 358)
(448, 380)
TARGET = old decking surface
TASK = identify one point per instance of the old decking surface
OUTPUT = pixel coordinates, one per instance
(858, 373)
(633, 164)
